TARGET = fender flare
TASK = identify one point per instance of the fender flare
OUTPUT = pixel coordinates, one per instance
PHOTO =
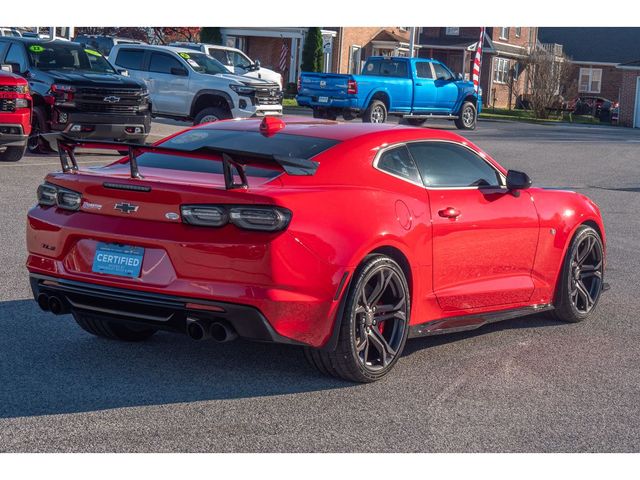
(201, 93)
(374, 92)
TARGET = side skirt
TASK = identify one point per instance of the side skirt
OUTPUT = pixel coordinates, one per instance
(471, 322)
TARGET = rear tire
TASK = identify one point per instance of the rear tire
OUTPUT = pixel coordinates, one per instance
(376, 112)
(112, 330)
(211, 114)
(468, 117)
(12, 154)
(581, 278)
(374, 326)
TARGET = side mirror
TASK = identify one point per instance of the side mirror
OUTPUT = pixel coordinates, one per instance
(459, 76)
(179, 71)
(123, 71)
(257, 64)
(517, 180)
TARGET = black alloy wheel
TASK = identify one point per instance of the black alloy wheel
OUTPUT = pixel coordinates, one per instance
(374, 325)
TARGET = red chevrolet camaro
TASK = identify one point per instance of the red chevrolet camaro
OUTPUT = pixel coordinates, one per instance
(345, 239)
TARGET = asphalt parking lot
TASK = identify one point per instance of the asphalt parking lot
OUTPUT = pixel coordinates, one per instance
(529, 384)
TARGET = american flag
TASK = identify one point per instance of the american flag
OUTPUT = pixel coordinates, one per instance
(477, 62)
(284, 56)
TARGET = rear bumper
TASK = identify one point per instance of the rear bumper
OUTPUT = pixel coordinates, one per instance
(159, 311)
(340, 103)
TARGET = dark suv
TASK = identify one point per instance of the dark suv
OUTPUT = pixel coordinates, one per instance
(70, 95)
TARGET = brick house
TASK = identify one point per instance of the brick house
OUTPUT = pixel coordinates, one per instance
(595, 54)
(503, 76)
(630, 94)
(345, 48)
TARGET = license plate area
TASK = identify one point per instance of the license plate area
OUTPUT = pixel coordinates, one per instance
(323, 99)
(116, 259)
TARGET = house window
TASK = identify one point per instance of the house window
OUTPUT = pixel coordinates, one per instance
(501, 70)
(355, 58)
(590, 80)
(518, 32)
(504, 33)
(452, 31)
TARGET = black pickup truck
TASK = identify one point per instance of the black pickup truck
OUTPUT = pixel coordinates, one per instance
(73, 96)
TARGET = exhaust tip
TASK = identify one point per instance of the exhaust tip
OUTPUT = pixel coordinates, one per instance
(221, 332)
(43, 302)
(55, 305)
(196, 329)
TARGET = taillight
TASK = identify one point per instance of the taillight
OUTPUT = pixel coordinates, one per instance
(49, 195)
(299, 83)
(204, 215)
(352, 86)
(251, 217)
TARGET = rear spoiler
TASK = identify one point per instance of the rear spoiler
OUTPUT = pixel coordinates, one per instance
(231, 159)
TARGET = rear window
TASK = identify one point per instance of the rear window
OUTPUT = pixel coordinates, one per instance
(386, 68)
(293, 146)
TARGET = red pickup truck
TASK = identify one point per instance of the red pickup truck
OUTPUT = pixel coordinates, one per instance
(15, 116)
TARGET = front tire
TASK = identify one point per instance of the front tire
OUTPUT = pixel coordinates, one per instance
(12, 154)
(468, 117)
(376, 112)
(211, 114)
(35, 144)
(374, 326)
(113, 330)
(581, 279)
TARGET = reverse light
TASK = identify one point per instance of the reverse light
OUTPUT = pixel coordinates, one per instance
(255, 217)
(49, 195)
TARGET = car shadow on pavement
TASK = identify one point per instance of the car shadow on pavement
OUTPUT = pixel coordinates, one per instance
(48, 365)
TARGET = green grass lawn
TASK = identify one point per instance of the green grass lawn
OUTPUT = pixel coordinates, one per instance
(289, 102)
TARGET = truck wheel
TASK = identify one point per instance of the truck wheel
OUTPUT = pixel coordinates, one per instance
(416, 122)
(376, 112)
(35, 144)
(12, 154)
(467, 118)
(211, 114)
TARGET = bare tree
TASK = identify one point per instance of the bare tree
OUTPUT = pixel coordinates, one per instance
(548, 76)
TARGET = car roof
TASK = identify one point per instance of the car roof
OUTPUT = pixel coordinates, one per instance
(161, 48)
(29, 40)
(207, 45)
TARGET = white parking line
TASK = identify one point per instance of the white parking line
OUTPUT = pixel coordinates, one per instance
(51, 163)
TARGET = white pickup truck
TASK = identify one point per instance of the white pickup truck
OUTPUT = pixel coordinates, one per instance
(189, 85)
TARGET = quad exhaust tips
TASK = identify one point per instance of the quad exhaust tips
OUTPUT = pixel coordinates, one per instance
(52, 303)
(203, 329)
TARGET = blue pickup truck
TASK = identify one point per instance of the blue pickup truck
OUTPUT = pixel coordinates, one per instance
(414, 88)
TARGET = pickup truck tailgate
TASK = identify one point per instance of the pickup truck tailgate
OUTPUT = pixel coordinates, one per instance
(329, 85)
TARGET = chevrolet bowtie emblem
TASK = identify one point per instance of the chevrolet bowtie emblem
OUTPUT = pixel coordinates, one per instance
(126, 207)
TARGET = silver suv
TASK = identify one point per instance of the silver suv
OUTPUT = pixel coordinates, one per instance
(188, 85)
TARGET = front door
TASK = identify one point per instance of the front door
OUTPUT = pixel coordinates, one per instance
(169, 88)
(484, 236)
(424, 90)
(446, 87)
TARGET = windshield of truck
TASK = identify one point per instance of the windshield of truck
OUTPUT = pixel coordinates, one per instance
(50, 56)
(203, 63)
(385, 68)
(98, 62)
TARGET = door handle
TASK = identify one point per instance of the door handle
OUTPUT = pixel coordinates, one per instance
(418, 84)
(449, 212)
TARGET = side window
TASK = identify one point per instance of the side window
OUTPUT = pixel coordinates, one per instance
(397, 161)
(16, 55)
(441, 72)
(130, 59)
(423, 70)
(449, 165)
(163, 63)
